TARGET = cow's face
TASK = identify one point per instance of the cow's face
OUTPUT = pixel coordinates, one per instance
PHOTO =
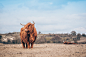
(29, 27)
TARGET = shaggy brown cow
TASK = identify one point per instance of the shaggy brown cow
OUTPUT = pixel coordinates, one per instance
(68, 43)
(28, 35)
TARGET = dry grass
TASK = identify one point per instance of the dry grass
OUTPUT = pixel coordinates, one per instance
(43, 50)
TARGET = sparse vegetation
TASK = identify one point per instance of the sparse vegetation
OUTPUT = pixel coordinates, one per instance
(78, 36)
(10, 38)
(83, 35)
(14, 38)
(0, 38)
(73, 33)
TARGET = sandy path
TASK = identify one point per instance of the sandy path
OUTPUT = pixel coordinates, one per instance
(43, 50)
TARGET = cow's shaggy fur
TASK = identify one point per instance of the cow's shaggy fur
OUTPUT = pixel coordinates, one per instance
(28, 35)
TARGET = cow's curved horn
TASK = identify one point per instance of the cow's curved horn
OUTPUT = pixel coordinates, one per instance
(22, 24)
(33, 22)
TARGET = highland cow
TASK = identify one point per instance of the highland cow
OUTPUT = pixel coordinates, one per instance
(28, 35)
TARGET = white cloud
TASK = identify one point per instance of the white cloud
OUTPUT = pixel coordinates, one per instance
(63, 20)
(80, 30)
(51, 3)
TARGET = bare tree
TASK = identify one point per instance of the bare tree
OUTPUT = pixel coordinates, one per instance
(39, 32)
(78, 36)
(73, 33)
(83, 35)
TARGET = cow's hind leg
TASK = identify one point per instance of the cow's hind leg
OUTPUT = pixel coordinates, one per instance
(32, 45)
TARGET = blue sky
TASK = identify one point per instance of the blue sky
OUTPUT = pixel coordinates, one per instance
(50, 16)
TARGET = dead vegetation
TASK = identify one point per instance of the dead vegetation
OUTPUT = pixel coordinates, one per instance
(14, 38)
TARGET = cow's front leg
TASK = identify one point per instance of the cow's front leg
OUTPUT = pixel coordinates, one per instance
(23, 44)
(32, 45)
(28, 45)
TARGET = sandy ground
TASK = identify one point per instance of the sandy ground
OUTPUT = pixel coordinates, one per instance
(43, 50)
